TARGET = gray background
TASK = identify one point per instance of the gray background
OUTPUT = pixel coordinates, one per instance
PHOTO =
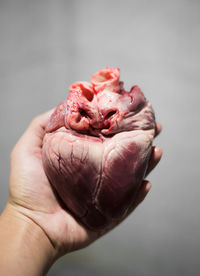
(47, 45)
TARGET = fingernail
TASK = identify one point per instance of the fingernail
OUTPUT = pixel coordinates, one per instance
(148, 186)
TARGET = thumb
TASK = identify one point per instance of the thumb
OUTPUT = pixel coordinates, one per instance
(33, 136)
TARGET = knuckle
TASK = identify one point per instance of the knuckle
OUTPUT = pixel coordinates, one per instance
(35, 120)
(13, 153)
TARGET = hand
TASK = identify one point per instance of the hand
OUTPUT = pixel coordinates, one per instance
(31, 194)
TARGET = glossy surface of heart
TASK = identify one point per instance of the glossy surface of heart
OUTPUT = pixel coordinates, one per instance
(97, 146)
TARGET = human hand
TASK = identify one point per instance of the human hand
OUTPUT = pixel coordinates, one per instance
(31, 194)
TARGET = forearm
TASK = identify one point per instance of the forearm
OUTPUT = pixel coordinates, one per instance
(24, 247)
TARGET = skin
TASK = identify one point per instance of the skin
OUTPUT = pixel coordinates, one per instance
(34, 229)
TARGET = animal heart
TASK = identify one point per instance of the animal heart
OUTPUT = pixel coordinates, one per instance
(97, 147)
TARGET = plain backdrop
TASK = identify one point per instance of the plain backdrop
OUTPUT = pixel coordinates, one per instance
(47, 45)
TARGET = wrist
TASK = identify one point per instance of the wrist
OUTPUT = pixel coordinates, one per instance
(24, 244)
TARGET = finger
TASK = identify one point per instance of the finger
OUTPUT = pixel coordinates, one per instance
(33, 136)
(155, 157)
(141, 194)
(143, 191)
(158, 129)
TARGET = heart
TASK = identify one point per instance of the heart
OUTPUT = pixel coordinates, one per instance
(97, 147)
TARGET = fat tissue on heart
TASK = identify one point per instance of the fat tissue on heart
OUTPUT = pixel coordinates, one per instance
(96, 148)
